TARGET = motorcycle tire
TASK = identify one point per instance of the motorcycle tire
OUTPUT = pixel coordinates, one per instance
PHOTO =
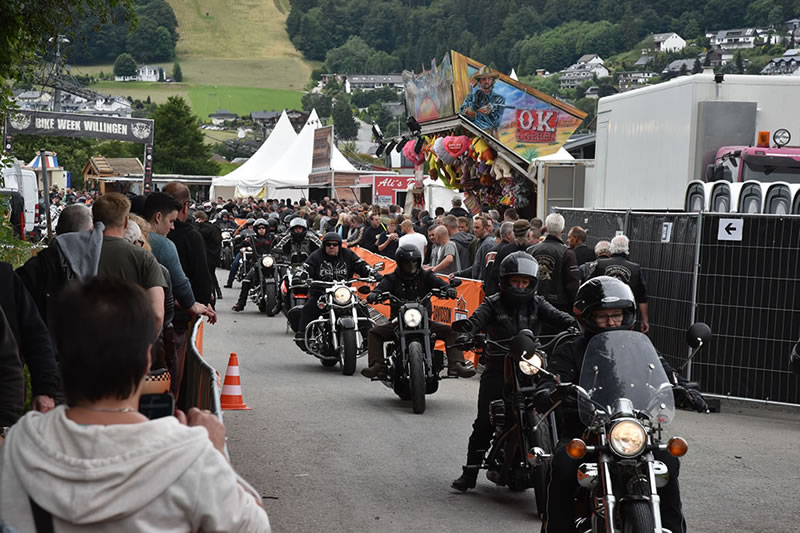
(541, 438)
(637, 517)
(329, 363)
(271, 297)
(348, 347)
(416, 378)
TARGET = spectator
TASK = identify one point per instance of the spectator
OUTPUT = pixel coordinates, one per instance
(97, 463)
(369, 239)
(12, 379)
(462, 224)
(121, 260)
(356, 232)
(212, 237)
(576, 239)
(506, 234)
(511, 215)
(601, 249)
(444, 258)
(519, 243)
(388, 240)
(438, 212)
(559, 276)
(457, 210)
(481, 245)
(494, 216)
(409, 236)
(618, 266)
(462, 240)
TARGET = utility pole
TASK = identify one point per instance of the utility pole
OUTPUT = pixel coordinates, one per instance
(57, 98)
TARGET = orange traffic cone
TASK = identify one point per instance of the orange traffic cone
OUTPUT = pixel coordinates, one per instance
(231, 397)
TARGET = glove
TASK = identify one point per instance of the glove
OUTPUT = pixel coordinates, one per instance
(378, 276)
(452, 293)
(696, 400)
(562, 393)
(372, 298)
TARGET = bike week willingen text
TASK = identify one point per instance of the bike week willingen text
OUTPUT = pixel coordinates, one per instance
(81, 125)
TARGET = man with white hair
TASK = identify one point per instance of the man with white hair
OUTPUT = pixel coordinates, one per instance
(601, 249)
(559, 277)
(618, 266)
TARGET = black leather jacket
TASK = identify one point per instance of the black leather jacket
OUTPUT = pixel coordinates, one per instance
(409, 289)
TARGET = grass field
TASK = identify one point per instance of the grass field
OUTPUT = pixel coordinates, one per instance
(207, 99)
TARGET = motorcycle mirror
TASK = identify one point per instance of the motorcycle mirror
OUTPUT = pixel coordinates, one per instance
(462, 326)
(697, 334)
(523, 343)
(364, 289)
(378, 266)
(455, 282)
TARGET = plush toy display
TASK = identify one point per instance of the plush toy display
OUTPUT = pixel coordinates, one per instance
(411, 155)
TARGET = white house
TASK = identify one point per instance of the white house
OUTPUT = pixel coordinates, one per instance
(734, 39)
(587, 66)
(143, 73)
(786, 65)
(367, 82)
(631, 79)
(668, 42)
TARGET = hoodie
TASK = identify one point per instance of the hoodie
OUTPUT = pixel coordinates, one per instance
(157, 476)
(463, 241)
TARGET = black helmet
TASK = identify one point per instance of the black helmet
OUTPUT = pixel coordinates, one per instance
(250, 222)
(604, 292)
(272, 224)
(518, 264)
(260, 223)
(332, 236)
(409, 261)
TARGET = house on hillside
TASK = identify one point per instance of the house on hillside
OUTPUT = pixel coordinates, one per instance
(734, 39)
(221, 116)
(587, 66)
(144, 73)
(368, 82)
(643, 61)
(628, 80)
(668, 42)
(33, 100)
(786, 65)
(675, 68)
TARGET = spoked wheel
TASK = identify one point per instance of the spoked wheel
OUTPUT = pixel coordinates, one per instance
(348, 347)
(637, 517)
(416, 377)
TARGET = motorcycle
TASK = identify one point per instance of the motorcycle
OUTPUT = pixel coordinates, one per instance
(413, 363)
(294, 283)
(522, 438)
(264, 293)
(227, 252)
(625, 399)
(245, 263)
(336, 336)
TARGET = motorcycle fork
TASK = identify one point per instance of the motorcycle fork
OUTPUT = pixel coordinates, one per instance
(334, 332)
(609, 500)
(518, 404)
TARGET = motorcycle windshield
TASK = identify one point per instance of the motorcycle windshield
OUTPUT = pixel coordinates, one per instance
(620, 366)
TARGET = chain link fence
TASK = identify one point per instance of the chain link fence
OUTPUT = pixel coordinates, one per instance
(744, 290)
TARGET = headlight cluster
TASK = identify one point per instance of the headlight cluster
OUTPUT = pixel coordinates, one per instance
(531, 365)
(342, 295)
(226, 235)
(627, 438)
(267, 261)
(412, 318)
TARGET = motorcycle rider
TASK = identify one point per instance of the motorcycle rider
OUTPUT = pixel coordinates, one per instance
(329, 263)
(240, 239)
(602, 304)
(501, 316)
(261, 243)
(410, 282)
(224, 222)
(298, 240)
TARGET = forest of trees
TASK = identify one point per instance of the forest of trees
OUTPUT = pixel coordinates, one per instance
(153, 38)
(380, 36)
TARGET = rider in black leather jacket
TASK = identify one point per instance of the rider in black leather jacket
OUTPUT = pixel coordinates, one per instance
(261, 243)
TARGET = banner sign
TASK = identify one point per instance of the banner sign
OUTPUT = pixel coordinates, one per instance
(321, 156)
(526, 121)
(429, 94)
(137, 130)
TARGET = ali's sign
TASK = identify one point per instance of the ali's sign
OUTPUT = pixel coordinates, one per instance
(137, 130)
(387, 186)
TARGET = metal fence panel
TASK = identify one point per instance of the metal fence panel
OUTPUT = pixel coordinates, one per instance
(200, 386)
(748, 292)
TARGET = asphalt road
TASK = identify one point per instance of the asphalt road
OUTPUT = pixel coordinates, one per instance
(341, 453)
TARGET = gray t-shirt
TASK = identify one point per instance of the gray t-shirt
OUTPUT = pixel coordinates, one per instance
(440, 252)
(119, 259)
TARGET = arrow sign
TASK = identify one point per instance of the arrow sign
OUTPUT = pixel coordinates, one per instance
(730, 229)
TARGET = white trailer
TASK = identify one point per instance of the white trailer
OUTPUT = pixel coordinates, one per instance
(652, 142)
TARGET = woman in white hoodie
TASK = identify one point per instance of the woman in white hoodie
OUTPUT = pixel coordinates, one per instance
(98, 464)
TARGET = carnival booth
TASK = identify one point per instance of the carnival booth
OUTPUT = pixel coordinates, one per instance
(477, 131)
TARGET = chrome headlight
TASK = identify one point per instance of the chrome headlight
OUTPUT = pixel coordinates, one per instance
(267, 261)
(531, 365)
(627, 438)
(248, 249)
(226, 235)
(342, 296)
(412, 318)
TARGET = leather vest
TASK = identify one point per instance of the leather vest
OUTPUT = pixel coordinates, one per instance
(550, 255)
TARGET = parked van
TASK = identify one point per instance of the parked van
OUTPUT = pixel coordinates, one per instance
(24, 182)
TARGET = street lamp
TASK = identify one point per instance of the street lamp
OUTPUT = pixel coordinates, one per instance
(57, 96)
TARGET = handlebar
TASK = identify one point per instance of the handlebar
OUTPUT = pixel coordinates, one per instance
(437, 292)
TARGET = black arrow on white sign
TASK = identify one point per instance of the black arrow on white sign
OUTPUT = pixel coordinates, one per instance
(730, 228)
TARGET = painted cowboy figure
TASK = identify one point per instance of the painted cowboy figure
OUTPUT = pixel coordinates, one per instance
(481, 105)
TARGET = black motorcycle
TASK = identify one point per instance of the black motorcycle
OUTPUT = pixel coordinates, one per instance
(624, 398)
(294, 283)
(264, 292)
(522, 437)
(246, 262)
(227, 252)
(336, 336)
(413, 363)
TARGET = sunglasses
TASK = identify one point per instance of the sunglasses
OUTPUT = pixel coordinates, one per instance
(331, 244)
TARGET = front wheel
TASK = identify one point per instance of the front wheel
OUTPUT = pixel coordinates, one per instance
(347, 342)
(416, 377)
(271, 297)
(541, 439)
(637, 517)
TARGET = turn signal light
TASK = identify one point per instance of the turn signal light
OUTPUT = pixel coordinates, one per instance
(576, 449)
(677, 447)
(763, 139)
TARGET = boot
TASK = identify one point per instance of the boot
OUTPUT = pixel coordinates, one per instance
(240, 305)
(469, 472)
(462, 369)
(374, 371)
